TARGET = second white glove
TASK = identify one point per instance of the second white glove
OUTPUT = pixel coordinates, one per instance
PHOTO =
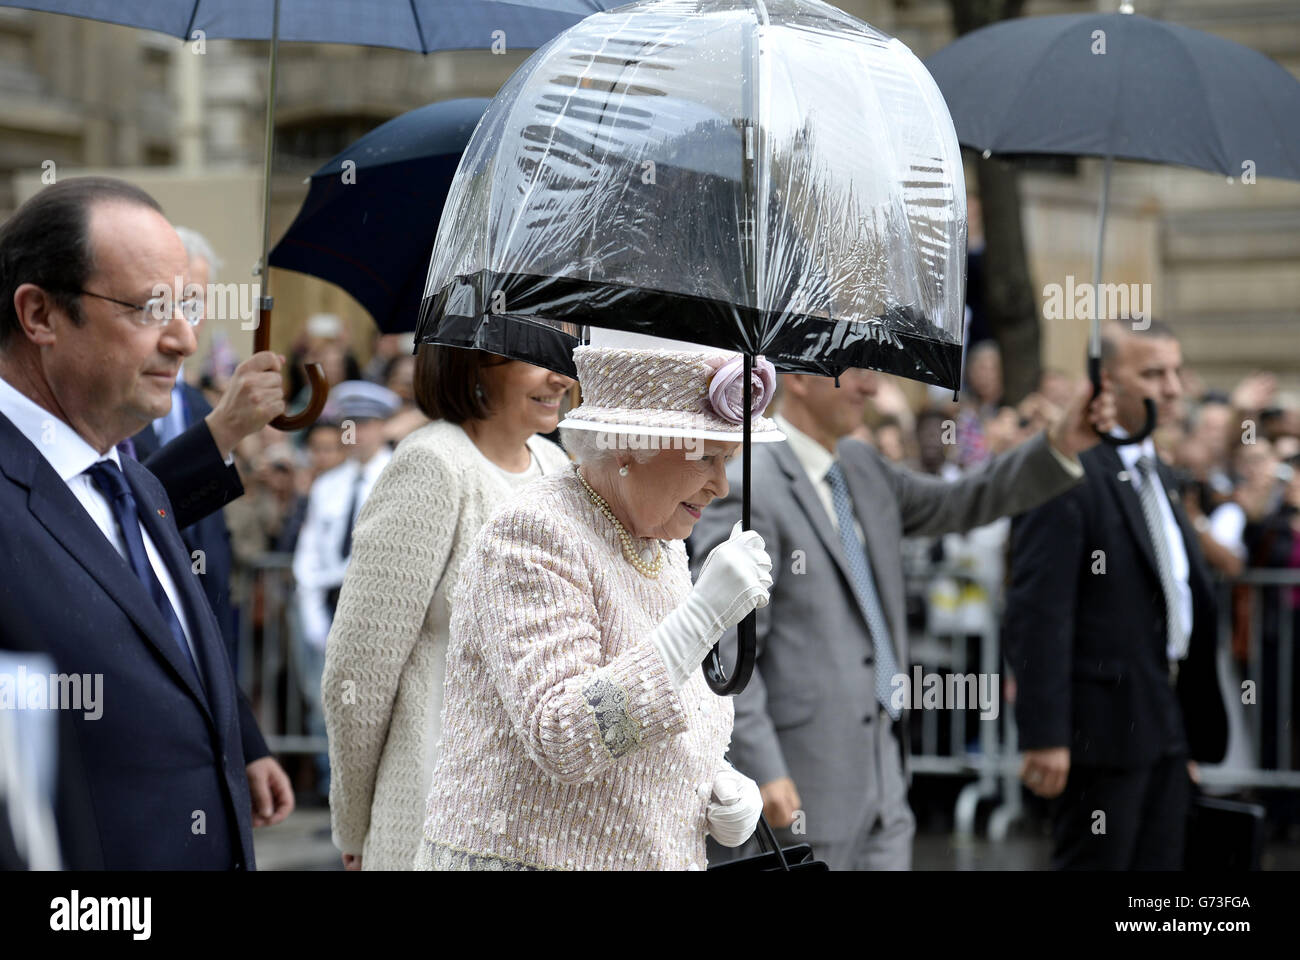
(734, 808)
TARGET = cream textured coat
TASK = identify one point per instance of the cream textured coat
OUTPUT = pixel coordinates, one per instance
(386, 654)
(564, 743)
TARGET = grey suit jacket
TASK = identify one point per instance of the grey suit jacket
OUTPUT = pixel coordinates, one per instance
(802, 715)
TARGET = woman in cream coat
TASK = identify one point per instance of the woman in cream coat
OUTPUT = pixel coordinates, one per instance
(386, 654)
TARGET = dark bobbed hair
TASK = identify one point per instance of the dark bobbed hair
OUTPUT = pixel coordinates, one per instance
(447, 380)
(47, 242)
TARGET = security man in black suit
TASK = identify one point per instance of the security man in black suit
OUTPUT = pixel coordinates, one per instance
(1110, 631)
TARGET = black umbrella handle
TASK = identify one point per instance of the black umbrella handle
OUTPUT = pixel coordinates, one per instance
(1094, 374)
(747, 629)
(747, 648)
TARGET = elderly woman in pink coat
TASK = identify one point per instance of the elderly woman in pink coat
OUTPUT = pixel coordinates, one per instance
(578, 730)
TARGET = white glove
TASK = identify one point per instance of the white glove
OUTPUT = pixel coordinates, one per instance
(734, 580)
(733, 811)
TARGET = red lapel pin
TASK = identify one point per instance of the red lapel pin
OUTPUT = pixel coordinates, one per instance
(162, 512)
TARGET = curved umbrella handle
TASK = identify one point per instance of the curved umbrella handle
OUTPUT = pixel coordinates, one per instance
(716, 677)
(1094, 374)
(747, 629)
(320, 388)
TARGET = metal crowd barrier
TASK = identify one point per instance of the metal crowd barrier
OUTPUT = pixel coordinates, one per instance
(269, 674)
(268, 669)
(995, 762)
(1262, 583)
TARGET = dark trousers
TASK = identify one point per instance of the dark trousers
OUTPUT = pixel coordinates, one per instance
(1110, 819)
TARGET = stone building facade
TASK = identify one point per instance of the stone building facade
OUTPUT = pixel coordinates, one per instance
(1223, 260)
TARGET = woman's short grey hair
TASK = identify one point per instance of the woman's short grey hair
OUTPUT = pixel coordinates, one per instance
(197, 246)
(592, 447)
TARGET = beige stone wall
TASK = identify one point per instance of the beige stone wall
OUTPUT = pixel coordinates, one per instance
(1223, 259)
(1060, 221)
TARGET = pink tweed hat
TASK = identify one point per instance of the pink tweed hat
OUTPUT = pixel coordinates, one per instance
(682, 390)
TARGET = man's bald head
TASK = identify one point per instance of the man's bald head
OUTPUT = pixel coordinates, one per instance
(1114, 334)
(1142, 363)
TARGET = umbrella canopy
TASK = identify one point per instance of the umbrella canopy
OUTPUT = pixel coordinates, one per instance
(370, 227)
(771, 178)
(423, 26)
(1123, 86)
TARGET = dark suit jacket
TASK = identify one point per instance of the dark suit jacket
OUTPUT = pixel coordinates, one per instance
(1088, 649)
(199, 484)
(163, 767)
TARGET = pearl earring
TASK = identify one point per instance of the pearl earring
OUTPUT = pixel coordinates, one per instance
(622, 471)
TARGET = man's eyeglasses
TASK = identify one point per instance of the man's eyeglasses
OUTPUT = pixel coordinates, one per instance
(156, 311)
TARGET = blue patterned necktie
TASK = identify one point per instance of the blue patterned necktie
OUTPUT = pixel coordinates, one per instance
(108, 478)
(864, 588)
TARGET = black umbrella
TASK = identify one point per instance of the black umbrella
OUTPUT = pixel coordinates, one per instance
(369, 221)
(772, 178)
(1121, 86)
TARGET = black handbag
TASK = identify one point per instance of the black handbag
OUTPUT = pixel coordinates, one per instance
(773, 859)
(1223, 835)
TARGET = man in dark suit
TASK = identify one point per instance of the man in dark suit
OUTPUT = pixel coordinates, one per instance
(1110, 631)
(174, 770)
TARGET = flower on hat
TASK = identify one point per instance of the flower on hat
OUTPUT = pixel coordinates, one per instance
(727, 389)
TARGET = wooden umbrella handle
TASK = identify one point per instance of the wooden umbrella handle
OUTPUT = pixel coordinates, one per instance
(315, 376)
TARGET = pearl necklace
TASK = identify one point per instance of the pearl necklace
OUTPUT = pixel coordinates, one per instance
(650, 568)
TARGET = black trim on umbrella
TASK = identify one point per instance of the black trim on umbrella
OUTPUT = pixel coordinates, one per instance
(518, 338)
(902, 342)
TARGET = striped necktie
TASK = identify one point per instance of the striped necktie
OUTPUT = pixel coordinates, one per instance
(1177, 632)
(864, 588)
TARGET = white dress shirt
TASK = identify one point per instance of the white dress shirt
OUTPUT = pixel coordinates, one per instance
(318, 562)
(816, 460)
(70, 456)
(1178, 562)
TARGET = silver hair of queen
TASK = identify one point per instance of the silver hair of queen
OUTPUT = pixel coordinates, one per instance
(594, 449)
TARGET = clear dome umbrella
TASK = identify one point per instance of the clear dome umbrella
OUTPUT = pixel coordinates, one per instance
(774, 178)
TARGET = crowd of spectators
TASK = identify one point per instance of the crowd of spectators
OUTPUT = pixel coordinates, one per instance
(1236, 454)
